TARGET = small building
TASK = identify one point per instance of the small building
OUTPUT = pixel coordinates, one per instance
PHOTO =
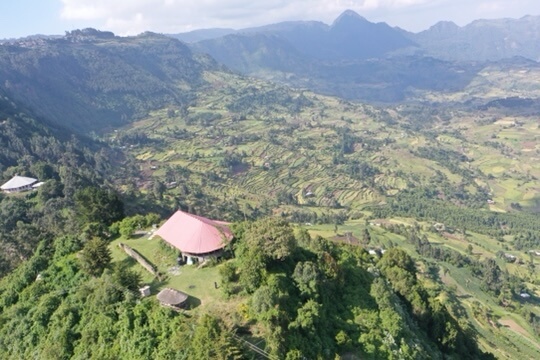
(510, 257)
(439, 227)
(172, 298)
(197, 237)
(145, 291)
(18, 184)
(376, 252)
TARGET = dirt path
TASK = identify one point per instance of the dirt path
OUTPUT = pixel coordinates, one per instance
(515, 327)
(512, 325)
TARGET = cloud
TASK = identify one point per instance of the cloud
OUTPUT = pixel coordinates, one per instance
(134, 16)
(128, 17)
(491, 6)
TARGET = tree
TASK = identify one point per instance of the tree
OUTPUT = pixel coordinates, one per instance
(50, 189)
(128, 225)
(252, 271)
(396, 257)
(125, 277)
(399, 268)
(303, 238)
(273, 237)
(43, 171)
(211, 341)
(308, 316)
(98, 205)
(366, 237)
(95, 257)
(158, 189)
(306, 276)
(264, 303)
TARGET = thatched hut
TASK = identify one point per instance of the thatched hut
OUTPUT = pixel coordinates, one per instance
(171, 297)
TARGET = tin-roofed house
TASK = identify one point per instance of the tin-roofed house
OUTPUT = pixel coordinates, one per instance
(197, 237)
(18, 184)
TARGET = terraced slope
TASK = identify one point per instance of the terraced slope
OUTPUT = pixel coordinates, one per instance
(252, 142)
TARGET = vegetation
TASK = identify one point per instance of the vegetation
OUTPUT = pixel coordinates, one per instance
(404, 231)
(322, 299)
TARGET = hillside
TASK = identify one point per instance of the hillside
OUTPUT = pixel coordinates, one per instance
(64, 162)
(356, 59)
(256, 138)
(91, 81)
(362, 230)
(343, 169)
(482, 40)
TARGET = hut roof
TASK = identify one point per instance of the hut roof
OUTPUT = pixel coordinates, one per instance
(194, 234)
(172, 297)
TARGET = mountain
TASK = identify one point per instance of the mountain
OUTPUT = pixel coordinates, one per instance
(482, 39)
(253, 52)
(202, 34)
(91, 80)
(350, 58)
(387, 79)
(349, 37)
(357, 59)
(64, 162)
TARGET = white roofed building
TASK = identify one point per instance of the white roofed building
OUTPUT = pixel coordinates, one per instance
(18, 184)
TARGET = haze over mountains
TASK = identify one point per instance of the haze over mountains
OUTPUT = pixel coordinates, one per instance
(482, 39)
(357, 59)
(353, 36)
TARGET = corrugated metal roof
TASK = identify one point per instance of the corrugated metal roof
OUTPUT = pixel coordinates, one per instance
(17, 182)
(194, 234)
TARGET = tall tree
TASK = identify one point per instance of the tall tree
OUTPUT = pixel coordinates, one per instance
(95, 256)
(98, 205)
(272, 236)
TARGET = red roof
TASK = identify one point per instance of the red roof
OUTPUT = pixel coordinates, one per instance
(194, 234)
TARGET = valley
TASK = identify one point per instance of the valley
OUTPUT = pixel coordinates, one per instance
(384, 203)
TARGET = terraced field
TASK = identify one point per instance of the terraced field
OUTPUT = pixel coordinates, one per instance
(262, 140)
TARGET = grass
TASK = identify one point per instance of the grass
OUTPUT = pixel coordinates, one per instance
(196, 282)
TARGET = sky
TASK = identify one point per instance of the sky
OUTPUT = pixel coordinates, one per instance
(20, 18)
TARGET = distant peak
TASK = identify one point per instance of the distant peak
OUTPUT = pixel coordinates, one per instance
(351, 13)
(348, 14)
(444, 26)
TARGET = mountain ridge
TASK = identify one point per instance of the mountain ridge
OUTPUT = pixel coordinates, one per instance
(458, 41)
(126, 76)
